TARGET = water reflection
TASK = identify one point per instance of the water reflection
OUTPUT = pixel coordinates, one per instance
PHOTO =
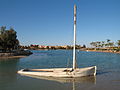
(8, 68)
(74, 83)
(89, 79)
(108, 66)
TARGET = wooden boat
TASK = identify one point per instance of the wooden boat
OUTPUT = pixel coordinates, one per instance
(63, 72)
(60, 72)
(90, 79)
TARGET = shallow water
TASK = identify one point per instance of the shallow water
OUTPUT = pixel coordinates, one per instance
(108, 70)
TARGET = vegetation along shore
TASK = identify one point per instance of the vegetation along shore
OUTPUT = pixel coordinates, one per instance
(9, 44)
(98, 46)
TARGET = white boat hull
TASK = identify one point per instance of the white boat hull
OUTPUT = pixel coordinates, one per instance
(60, 72)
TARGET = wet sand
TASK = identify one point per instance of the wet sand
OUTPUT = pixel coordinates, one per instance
(102, 51)
(12, 57)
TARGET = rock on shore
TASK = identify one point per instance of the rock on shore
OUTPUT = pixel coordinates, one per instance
(16, 53)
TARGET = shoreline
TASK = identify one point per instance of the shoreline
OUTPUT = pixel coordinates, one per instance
(5, 57)
(102, 51)
(17, 54)
(13, 55)
(107, 51)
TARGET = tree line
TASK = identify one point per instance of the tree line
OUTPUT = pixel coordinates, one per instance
(107, 43)
(8, 39)
(35, 47)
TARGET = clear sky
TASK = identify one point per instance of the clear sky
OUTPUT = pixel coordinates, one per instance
(50, 22)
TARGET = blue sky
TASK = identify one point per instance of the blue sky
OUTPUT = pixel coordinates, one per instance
(50, 22)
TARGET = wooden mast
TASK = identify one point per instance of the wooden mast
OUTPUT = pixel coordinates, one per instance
(74, 42)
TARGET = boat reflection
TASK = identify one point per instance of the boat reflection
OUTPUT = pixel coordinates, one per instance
(87, 79)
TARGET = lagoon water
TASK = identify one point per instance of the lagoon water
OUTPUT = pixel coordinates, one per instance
(108, 71)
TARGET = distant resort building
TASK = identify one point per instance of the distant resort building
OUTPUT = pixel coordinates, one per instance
(42, 46)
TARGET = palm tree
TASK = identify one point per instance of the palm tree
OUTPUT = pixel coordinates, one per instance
(102, 44)
(118, 43)
(108, 40)
(98, 44)
(109, 44)
(94, 44)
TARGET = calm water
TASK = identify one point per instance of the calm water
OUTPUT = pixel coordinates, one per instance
(108, 71)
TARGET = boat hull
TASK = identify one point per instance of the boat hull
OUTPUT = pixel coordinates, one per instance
(60, 72)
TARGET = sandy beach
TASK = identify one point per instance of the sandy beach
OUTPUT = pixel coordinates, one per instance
(107, 51)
